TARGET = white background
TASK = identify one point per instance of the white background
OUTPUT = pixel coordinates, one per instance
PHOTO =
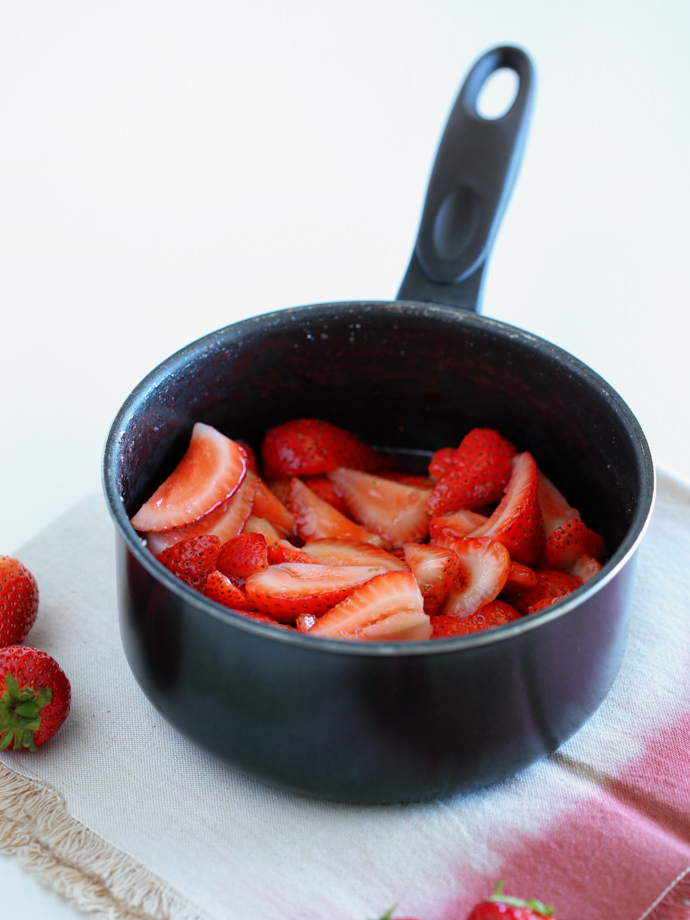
(167, 168)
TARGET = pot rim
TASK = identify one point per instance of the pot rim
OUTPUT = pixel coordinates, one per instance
(622, 555)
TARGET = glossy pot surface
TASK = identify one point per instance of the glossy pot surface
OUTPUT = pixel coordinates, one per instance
(385, 722)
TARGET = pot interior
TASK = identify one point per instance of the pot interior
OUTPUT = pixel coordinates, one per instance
(402, 376)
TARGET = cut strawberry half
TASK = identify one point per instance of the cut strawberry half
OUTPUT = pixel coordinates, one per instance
(323, 487)
(394, 511)
(226, 591)
(517, 522)
(555, 510)
(408, 479)
(192, 561)
(568, 542)
(520, 576)
(353, 552)
(460, 523)
(476, 476)
(267, 505)
(255, 524)
(285, 591)
(316, 519)
(435, 568)
(284, 551)
(551, 586)
(484, 564)
(308, 446)
(495, 613)
(224, 522)
(243, 555)
(585, 567)
(442, 462)
(212, 468)
(388, 608)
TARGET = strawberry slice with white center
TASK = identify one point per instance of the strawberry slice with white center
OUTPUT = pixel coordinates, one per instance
(393, 510)
(435, 568)
(388, 608)
(285, 591)
(555, 510)
(316, 519)
(460, 524)
(517, 521)
(353, 552)
(484, 565)
(224, 522)
(212, 469)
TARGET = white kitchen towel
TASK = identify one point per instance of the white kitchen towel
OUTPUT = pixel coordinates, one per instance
(127, 819)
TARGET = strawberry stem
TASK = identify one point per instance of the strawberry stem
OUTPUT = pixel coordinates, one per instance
(532, 903)
(19, 713)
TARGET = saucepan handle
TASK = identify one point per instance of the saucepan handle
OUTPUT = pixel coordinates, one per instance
(471, 181)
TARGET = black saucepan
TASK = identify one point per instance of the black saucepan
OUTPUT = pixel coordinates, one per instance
(390, 722)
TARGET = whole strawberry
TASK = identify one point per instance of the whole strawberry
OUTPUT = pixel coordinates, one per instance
(34, 697)
(18, 601)
(503, 907)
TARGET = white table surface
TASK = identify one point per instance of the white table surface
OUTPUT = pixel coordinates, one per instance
(167, 168)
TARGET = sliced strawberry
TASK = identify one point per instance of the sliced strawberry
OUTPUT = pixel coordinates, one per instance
(316, 519)
(568, 542)
(284, 551)
(251, 457)
(286, 590)
(477, 476)
(460, 523)
(210, 471)
(192, 561)
(585, 567)
(255, 524)
(517, 522)
(308, 446)
(442, 462)
(520, 576)
(225, 590)
(388, 608)
(495, 613)
(353, 552)
(305, 621)
(267, 505)
(224, 522)
(394, 511)
(484, 565)
(323, 487)
(555, 510)
(408, 479)
(280, 488)
(243, 555)
(435, 568)
(551, 586)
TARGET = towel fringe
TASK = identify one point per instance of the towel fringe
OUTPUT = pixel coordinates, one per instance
(79, 865)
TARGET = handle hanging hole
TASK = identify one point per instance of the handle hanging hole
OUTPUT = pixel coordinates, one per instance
(497, 95)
